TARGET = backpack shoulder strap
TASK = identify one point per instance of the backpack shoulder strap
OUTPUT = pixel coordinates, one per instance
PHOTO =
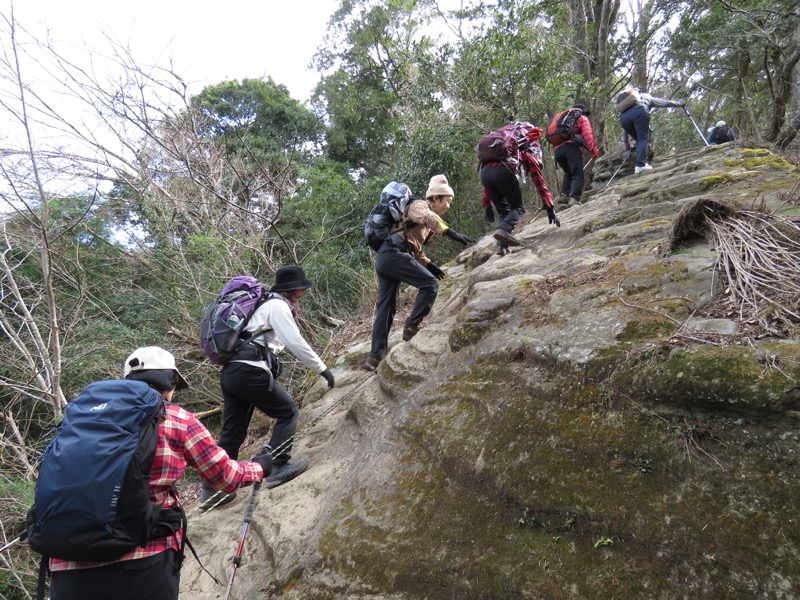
(267, 297)
(44, 571)
(184, 526)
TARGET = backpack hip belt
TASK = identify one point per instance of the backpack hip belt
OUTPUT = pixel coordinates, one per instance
(258, 353)
(252, 351)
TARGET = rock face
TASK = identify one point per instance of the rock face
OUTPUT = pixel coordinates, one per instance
(587, 417)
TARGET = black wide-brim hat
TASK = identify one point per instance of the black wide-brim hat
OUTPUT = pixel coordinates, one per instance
(290, 278)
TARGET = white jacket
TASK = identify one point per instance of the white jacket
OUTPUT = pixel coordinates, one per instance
(275, 318)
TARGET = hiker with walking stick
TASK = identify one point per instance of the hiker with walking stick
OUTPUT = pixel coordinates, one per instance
(634, 106)
(139, 553)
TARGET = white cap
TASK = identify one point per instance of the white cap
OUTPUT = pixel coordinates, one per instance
(721, 124)
(152, 358)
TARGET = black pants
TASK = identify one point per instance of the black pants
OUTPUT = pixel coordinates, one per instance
(155, 578)
(245, 388)
(503, 188)
(636, 123)
(570, 158)
(395, 266)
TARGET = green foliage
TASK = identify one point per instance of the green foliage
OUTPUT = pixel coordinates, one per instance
(369, 53)
(508, 70)
(330, 206)
(738, 61)
(256, 118)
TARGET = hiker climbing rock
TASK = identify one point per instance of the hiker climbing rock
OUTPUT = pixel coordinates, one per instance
(572, 132)
(721, 134)
(151, 569)
(250, 380)
(401, 259)
(634, 107)
(500, 179)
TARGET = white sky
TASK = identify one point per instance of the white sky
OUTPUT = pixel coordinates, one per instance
(208, 41)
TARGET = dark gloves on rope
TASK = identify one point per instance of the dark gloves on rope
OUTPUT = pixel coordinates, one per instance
(328, 376)
(461, 238)
(551, 216)
(264, 458)
(435, 270)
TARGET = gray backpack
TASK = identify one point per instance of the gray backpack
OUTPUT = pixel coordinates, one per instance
(626, 99)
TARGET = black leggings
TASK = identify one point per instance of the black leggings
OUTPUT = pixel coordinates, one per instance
(156, 577)
(245, 388)
(570, 159)
(502, 186)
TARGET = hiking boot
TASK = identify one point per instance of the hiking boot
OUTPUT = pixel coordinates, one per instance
(646, 167)
(410, 330)
(562, 199)
(211, 498)
(285, 473)
(502, 249)
(371, 363)
(504, 236)
(574, 201)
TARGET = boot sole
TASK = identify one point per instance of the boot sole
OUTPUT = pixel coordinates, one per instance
(275, 483)
(507, 239)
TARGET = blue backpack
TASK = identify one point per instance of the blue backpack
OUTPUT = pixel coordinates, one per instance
(92, 500)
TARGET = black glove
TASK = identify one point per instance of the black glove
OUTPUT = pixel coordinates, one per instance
(461, 238)
(328, 376)
(490, 214)
(551, 216)
(265, 460)
(435, 270)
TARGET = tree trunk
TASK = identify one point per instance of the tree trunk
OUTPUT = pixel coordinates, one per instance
(641, 35)
(780, 67)
(788, 136)
(580, 22)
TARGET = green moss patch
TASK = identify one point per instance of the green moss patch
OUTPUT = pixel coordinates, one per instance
(511, 489)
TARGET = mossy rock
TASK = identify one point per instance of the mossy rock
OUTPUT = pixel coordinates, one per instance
(710, 380)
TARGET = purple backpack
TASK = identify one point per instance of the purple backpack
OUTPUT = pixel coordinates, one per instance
(498, 145)
(226, 317)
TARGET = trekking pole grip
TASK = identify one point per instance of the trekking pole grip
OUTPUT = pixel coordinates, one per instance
(251, 504)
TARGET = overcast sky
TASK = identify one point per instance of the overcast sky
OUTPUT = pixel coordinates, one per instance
(208, 42)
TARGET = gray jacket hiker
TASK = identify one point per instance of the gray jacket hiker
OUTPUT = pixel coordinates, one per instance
(635, 123)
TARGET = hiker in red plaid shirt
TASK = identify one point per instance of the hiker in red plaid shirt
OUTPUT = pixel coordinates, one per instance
(152, 571)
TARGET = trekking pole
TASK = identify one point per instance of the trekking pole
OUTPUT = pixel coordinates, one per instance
(22, 536)
(248, 517)
(625, 159)
(251, 504)
(688, 114)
